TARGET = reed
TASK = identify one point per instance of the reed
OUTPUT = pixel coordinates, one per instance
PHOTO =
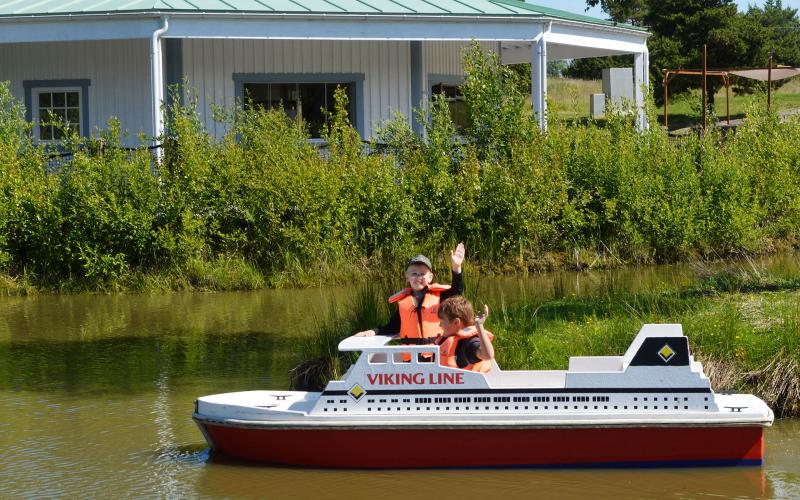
(320, 360)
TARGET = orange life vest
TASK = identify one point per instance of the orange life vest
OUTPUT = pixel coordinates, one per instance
(419, 323)
(427, 312)
(448, 345)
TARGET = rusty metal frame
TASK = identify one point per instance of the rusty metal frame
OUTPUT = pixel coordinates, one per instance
(669, 74)
(705, 72)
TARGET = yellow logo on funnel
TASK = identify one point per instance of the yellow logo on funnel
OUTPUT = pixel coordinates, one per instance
(666, 353)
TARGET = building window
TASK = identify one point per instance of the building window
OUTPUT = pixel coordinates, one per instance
(57, 108)
(455, 101)
(310, 102)
(58, 112)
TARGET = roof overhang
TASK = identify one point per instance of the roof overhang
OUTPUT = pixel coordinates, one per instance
(573, 41)
(517, 28)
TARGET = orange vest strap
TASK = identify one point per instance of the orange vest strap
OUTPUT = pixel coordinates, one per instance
(397, 297)
(434, 288)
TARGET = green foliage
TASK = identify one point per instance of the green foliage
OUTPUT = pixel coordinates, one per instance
(592, 68)
(264, 205)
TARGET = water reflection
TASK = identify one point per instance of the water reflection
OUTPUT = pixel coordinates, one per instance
(135, 364)
(251, 481)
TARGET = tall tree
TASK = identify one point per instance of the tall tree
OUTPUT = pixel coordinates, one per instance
(623, 11)
(680, 29)
(771, 28)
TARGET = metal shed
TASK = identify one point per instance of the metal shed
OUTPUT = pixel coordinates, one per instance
(114, 58)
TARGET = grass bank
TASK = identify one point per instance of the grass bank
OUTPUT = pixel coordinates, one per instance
(743, 325)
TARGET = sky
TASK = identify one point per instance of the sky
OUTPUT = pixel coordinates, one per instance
(579, 6)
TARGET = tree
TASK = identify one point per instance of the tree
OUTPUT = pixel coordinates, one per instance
(681, 28)
(623, 11)
(556, 68)
(771, 28)
(592, 68)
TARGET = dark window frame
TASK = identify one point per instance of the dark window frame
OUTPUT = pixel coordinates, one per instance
(355, 79)
(449, 81)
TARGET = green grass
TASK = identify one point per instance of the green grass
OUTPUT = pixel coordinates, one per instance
(569, 97)
(16, 286)
(685, 110)
(569, 100)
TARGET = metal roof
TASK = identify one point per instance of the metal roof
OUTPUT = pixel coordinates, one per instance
(476, 8)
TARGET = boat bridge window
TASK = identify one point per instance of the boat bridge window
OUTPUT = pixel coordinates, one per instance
(377, 358)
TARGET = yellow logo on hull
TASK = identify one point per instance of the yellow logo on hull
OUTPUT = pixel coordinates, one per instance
(356, 392)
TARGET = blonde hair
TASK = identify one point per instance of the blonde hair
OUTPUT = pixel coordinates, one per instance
(457, 307)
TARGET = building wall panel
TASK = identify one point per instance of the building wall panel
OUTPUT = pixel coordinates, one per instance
(119, 72)
(211, 64)
(444, 58)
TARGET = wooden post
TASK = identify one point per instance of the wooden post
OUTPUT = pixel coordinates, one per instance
(769, 84)
(705, 105)
(728, 97)
(666, 99)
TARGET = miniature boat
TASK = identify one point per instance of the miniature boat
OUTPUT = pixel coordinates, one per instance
(653, 406)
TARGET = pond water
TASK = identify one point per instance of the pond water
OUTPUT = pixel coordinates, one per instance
(97, 391)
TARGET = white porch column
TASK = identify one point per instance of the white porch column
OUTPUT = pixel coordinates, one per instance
(539, 77)
(639, 82)
(157, 82)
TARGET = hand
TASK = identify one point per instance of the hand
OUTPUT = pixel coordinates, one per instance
(365, 333)
(457, 258)
(480, 318)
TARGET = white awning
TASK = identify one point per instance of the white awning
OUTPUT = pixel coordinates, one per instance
(763, 74)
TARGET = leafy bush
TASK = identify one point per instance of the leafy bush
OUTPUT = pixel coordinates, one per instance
(265, 205)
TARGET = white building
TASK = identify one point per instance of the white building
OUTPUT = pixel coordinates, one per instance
(88, 60)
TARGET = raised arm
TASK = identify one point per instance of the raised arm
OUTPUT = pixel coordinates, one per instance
(486, 350)
(457, 258)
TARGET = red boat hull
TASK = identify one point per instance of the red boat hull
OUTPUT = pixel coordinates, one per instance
(486, 447)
